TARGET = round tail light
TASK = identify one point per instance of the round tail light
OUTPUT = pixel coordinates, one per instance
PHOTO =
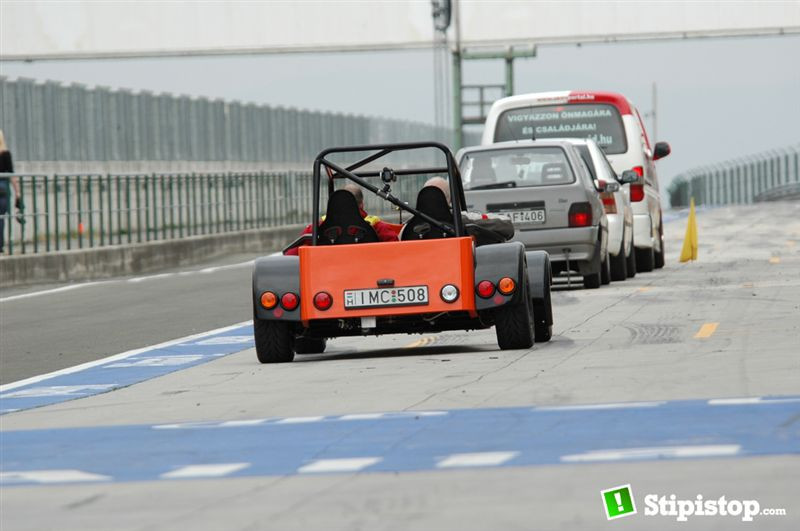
(323, 300)
(449, 293)
(485, 289)
(289, 301)
(506, 286)
(269, 300)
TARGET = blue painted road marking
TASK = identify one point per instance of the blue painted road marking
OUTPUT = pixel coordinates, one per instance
(124, 369)
(405, 441)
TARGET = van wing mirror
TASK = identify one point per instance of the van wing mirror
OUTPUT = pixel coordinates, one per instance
(661, 150)
(629, 176)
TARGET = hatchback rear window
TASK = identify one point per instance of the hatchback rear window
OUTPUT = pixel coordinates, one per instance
(599, 121)
(516, 167)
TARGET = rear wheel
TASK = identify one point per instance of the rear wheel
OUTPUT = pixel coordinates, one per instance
(659, 256)
(619, 265)
(310, 345)
(605, 271)
(514, 324)
(274, 341)
(631, 261)
(645, 260)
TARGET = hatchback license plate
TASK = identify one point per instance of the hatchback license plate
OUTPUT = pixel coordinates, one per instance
(382, 297)
(527, 216)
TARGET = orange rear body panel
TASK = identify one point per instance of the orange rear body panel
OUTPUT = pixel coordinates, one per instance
(432, 263)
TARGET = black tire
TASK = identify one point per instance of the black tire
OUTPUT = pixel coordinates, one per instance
(619, 265)
(659, 256)
(631, 261)
(605, 271)
(645, 260)
(274, 341)
(310, 345)
(591, 281)
(514, 324)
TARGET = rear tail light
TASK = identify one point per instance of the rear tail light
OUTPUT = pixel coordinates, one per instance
(609, 204)
(637, 192)
(289, 301)
(323, 300)
(580, 215)
(506, 286)
(269, 300)
(485, 289)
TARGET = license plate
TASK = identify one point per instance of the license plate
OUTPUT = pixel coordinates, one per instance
(383, 297)
(526, 216)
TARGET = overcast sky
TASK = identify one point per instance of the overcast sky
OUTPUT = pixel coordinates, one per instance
(717, 99)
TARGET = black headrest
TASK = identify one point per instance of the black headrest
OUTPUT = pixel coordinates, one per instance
(343, 222)
(431, 201)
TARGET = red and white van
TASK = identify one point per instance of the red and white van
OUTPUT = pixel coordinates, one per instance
(611, 120)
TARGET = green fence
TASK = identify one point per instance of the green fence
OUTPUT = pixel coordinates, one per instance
(739, 181)
(79, 211)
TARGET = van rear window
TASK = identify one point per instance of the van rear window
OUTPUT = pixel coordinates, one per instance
(600, 122)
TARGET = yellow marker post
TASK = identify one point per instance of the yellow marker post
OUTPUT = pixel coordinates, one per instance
(689, 251)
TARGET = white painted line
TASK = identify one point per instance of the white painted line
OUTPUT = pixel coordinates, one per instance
(362, 416)
(60, 390)
(622, 454)
(150, 277)
(54, 290)
(353, 464)
(749, 400)
(116, 357)
(299, 420)
(239, 423)
(476, 459)
(205, 471)
(620, 405)
(132, 280)
(50, 476)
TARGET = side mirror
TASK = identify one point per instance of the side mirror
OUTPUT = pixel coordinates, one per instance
(612, 187)
(629, 176)
(661, 150)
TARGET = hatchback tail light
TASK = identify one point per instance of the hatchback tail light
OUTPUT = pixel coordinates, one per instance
(609, 204)
(580, 215)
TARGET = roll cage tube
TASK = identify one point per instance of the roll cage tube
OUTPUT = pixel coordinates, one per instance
(454, 179)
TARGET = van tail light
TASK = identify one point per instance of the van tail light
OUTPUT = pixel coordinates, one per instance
(580, 215)
(609, 204)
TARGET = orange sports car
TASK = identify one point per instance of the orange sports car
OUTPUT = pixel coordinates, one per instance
(449, 269)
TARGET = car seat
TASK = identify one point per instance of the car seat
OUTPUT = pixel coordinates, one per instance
(343, 222)
(553, 173)
(482, 172)
(431, 201)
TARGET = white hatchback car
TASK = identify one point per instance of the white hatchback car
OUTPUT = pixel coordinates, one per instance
(617, 204)
(612, 121)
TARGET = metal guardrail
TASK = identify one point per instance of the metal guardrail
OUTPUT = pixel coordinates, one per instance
(738, 181)
(786, 191)
(81, 211)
